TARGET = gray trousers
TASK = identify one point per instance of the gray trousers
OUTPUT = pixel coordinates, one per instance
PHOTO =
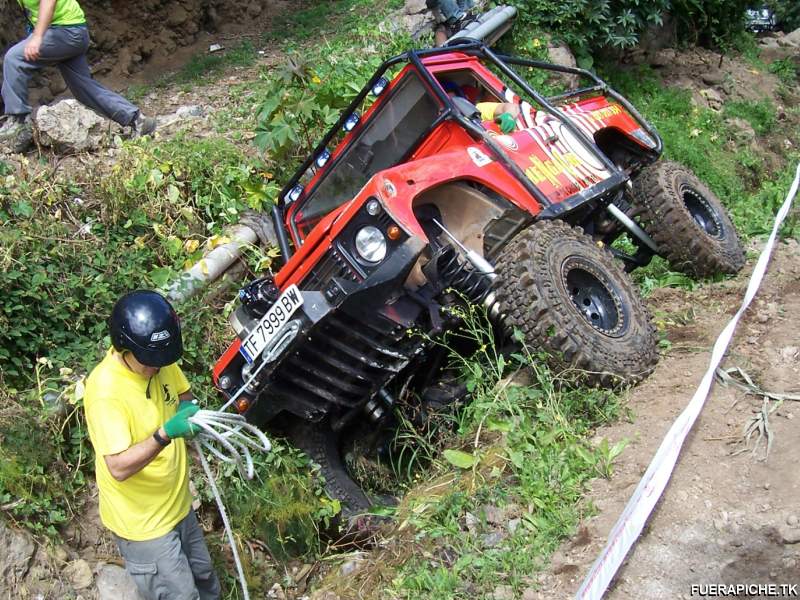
(64, 48)
(175, 566)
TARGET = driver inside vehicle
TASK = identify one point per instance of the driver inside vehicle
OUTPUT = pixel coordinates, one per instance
(504, 114)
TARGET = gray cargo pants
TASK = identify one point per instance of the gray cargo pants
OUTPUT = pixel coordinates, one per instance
(175, 566)
(65, 48)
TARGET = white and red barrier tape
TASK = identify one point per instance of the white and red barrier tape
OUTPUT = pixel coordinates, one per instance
(644, 498)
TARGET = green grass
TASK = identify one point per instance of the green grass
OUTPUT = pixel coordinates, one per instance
(786, 70)
(202, 67)
(760, 114)
(331, 17)
(519, 449)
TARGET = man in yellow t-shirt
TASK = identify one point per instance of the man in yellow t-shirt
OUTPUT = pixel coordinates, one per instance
(58, 37)
(138, 405)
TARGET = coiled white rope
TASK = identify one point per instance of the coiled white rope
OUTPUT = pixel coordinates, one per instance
(230, 438)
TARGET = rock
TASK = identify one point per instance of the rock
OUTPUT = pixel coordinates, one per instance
(789, 535)
(789, 352)
(276, 591)
(490, 540)
(60, 554)
(561, 563)
(530, 594)
(68, 126)
(772, 51)
(494, 515)
(413, 7)
(324, 595)
(792, 520)
(253, 9)
(792, 38)
(79, 574)
(416, 25)
(177, 15)
(471, 522)
(503, 592)
(742, 130)
(190, 111)
(513, 525)
(712, 77)
(114, 583)
(56, 84)
(350, 567)
(15, 559)
(561, 55)
(713, 98)
(664, 58)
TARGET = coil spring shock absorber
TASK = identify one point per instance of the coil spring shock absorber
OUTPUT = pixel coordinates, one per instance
(464, 278)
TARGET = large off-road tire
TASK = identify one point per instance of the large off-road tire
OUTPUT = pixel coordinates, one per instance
(687, 221)
(323, 447)
(572, 298)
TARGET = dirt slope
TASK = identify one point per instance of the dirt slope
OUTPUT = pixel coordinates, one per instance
(725, 517)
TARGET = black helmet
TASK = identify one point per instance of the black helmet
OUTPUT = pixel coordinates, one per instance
(147, 325)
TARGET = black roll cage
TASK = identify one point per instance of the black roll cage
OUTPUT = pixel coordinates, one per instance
(502, 62)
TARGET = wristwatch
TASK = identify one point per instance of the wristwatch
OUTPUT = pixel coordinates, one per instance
(161, 441)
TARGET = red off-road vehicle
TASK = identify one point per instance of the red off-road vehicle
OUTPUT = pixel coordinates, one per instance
(417, 205)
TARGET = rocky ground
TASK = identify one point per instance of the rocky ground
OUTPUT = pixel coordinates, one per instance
(730, 513)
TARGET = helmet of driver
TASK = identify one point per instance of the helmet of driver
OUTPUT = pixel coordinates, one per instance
(144, 323)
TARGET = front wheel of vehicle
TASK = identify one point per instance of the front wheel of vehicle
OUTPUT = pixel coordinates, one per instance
(687, 221)
(570, 297)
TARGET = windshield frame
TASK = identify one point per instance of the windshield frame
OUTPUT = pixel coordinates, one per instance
(342, 151)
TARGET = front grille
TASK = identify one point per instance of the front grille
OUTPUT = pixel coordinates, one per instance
(333, 264)
(344, 361)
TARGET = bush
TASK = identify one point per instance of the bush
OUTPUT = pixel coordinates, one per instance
(589, 25)
(787, 12)
(709, 22)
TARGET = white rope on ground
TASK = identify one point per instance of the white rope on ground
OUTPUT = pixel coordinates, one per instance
(230, 438)
(630, 524)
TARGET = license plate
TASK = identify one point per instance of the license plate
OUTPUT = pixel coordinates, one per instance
(269, 327)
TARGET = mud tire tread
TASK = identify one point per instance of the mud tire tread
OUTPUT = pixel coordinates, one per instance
(686, 247)
(322, 446)
(535, 302)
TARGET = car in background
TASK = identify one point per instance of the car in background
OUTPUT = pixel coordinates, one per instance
(760, 19)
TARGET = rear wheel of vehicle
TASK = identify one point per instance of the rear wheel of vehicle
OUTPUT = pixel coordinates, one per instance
(572, 298)
(687, 221)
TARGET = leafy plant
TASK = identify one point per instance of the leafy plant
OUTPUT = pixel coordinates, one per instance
(710, 22)
(786, 70)
(588, 25)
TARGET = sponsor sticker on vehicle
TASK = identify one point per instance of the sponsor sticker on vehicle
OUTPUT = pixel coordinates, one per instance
(478, 156)
(271, 324)
(508, 141)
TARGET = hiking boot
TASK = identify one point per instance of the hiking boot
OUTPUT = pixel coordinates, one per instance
(143, 125)
(12, 125)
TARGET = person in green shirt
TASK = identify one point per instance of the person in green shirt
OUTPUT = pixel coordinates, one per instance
(58, 36)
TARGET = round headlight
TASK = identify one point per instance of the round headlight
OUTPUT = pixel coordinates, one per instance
(370, 244)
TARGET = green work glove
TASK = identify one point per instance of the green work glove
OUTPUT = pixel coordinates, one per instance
(507, 122)
(186, 404)
(179, 425)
